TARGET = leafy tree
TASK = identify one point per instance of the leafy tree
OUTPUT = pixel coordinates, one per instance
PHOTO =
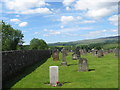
(11, 38)
(38, 44)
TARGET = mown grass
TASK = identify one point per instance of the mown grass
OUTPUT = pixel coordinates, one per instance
(103, 74)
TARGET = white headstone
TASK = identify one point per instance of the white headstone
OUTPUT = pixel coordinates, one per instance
(53, 75)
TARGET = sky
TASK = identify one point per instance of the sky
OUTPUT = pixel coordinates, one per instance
(62, 20)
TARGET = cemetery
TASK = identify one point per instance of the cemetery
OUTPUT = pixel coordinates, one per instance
(59, 44)
(62, 71)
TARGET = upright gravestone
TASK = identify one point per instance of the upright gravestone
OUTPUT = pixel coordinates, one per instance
(64, 54)
(53, 75)
(77, 51)
(74, 56)
(100, 53)
(55, 55)
(116, 52)
(82, 65)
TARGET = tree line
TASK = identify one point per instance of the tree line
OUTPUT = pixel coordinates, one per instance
(12, 39)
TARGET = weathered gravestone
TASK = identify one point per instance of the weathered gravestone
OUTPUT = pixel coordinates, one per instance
(64, 54)
(116, 52)
(53, 75)
(82, 65)
(55, 55)
(74, 56)
(100, 53)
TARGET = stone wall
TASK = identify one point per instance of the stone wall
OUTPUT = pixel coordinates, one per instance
(15, 61)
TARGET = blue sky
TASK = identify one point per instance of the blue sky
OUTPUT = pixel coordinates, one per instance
(62, 20)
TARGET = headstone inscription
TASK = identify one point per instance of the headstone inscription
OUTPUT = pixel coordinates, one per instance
(82, 65)
(64, 54)
(53, 73)
(55, 55)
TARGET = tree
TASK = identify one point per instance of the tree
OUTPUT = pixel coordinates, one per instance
(38, 44)
(11, 38)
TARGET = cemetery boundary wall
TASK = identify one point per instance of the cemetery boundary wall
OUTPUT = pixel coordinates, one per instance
(13, 62)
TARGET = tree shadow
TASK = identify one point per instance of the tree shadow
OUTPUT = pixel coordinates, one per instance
(21, 74)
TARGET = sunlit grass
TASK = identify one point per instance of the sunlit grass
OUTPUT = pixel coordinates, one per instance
(104, 76)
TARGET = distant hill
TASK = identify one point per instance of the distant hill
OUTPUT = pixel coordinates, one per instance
(113, 39)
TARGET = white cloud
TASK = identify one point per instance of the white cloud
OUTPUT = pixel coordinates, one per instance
(98, 8)
(27, 6)
(113, 20)
(68, 8)
(99, 13)
(68, 2)
(88, 21)
(36, 33)
(65, 31)
(17, 16)
(101, 33)
(38, 10)
(62, 27)
(67, 19)
(23, 24)
(15, 20)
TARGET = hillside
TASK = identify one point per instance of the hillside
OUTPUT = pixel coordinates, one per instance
(113, 39)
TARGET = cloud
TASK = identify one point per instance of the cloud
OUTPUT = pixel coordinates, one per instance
(17, 16)
(38, 10)
(68, 8)
(98, 8)
(101, 33)
(67, 19)
(65, 31)
(88, 21)
(113, 20)
(23, 24)
(67, 2)
(27, 6)
(15, 20)
(36, 33)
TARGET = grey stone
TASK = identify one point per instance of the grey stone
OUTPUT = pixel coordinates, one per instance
(82, 65)
(53, 75)
(116, 52)
(74, 56)
(64, 54)
(100, 53)
(55, 56)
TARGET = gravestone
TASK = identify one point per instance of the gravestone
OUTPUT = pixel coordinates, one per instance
(74, 56)
(64, 54)
(100, 53)
(53, 75)
(82, 65)
(77, 51)
(116, 52)
(55, 55)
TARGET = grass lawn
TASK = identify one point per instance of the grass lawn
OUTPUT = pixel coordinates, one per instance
(104, 74)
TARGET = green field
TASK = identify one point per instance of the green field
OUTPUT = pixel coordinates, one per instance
(103, 74)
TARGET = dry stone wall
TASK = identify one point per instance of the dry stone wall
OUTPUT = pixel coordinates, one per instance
(15, 61)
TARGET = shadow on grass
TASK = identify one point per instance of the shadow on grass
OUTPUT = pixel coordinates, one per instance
(91, 70)
(72, 64)
(23, 73)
